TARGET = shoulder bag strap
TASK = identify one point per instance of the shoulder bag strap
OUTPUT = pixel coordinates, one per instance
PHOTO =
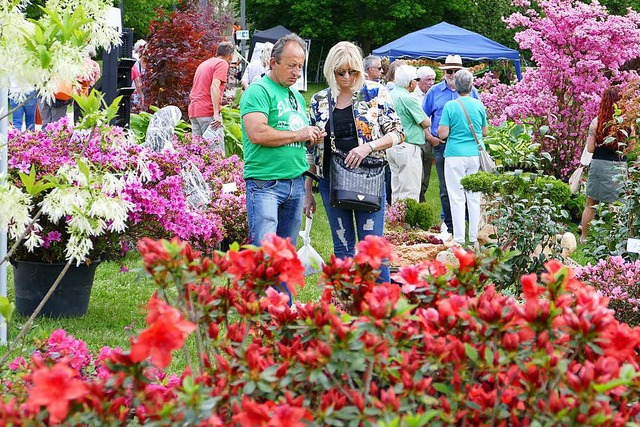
(332, 135)
(473, 130)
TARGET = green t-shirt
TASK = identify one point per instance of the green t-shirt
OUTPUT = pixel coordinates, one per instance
(461, 142)
(285, 109)
(411, 115)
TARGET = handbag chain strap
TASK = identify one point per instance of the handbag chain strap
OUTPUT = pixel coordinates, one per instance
(332, 134)
(473, 130)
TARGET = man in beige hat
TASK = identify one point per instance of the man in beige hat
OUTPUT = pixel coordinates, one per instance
(437, 96)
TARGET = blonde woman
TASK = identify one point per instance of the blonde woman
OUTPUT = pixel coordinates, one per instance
(365, 124)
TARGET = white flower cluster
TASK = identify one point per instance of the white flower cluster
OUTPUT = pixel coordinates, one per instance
(92, 203)
(65, 59)
(14, 214)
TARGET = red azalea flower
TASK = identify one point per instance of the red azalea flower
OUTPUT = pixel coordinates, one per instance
(466, 259)
(54, 388)
(253, 414)
(288, 416)
(372, 250)
(530, 287)
(167, 332)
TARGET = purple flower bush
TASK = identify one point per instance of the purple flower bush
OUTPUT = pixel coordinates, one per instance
(578, 49)
(618, 280)
(154, 185)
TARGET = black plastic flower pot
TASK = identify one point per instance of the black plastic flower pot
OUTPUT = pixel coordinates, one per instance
(32, 281)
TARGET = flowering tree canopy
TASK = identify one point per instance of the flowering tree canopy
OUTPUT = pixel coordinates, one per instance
(578, 49)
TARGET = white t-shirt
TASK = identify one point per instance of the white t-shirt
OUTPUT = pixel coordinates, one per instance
(254, 71)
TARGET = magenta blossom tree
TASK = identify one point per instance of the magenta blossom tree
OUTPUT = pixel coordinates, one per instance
(578, 50)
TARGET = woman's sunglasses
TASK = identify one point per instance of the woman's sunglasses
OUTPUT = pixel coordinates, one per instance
(341, 73)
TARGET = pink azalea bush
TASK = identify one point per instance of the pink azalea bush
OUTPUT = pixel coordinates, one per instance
(154, 182)
(578, 50)
(618, 280)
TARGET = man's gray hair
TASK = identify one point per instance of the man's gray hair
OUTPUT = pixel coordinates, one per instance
(405, 74)
(282, 42)
(463, 81)
(368, 61)
(225, 49)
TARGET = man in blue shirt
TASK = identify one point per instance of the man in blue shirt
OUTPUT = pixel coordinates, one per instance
(433, 105)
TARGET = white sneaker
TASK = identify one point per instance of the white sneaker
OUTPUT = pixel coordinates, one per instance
(443, 228)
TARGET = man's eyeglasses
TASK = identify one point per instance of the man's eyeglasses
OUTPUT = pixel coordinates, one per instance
(417, 79)
(293, 101)
(377, 68)
(341, 73)
(451, 71)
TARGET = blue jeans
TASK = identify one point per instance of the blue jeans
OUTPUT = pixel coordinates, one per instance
(275, 206)
(438, 153)
(343, 232)
(25, 113)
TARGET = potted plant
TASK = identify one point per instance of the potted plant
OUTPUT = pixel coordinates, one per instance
(65, 183)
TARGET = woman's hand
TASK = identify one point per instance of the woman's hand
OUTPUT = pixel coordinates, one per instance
(356, 155)
(309, 206)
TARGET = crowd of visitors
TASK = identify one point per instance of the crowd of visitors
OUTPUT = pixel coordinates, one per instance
(395, 115)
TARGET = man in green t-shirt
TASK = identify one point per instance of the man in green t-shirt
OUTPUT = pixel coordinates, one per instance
(275, 136)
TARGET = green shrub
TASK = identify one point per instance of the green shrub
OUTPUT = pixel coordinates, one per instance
(526, 210)
(511, 147)
(420, 214)
(525, 185)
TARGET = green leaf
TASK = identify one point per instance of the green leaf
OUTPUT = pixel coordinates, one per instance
(6, 308)
(443, 388)
(249, 387)
(471, 352)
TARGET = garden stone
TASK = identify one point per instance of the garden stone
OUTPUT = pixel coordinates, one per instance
(484, 234)
(415, 254)
(448, 258)
(568, 243)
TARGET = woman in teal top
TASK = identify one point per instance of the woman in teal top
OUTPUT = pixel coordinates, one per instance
(461, 154)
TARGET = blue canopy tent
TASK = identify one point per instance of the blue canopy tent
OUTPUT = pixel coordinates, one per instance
(440, 40)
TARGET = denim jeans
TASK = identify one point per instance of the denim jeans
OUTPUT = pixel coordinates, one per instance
(343, 231)
(275, 206)
(25, 113)
(438, 153)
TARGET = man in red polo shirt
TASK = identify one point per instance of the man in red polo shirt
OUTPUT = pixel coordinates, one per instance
(207, 90)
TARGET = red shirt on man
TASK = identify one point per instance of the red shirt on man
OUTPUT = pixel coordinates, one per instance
(201, 104)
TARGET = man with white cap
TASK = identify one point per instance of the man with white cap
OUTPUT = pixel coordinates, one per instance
(426, 79)
(433, 105)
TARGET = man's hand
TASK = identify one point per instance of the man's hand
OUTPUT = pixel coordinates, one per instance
(312, 135)
(217, 121)
(309, 206)
(434, 141)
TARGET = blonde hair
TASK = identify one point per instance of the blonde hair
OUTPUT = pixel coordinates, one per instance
(344, 54)
(265, 54)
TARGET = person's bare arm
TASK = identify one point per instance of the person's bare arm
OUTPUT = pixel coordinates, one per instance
(485, 130)
(443, 132)
(260, 133)
(591, 139)
(215, 100)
